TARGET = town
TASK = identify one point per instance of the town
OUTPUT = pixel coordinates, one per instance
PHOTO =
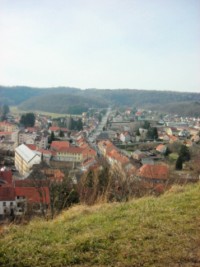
(113, 154)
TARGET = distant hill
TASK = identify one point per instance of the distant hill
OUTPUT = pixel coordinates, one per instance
(130, 97)
(152, 231)
(37, 98)
(63, 103)
(17, 94)
(191, 109)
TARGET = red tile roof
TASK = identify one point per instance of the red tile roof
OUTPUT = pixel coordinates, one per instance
(117, 156)
(89, 152)
(5, 133)
(54, 174)
(57, 145)
(7, 193)
(44, 151)
(5, 123)
(64, 129)
(54, 129)
(34, 195)
(154, 171)
(6, 176)
(161, 148)
(32, 129)
(32, 147)
(72, 150)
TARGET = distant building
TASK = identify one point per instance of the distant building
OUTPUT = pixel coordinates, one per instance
(125, 137)
(25, 158)
(154, 173)
(161, 149)
(21, 196)
(34, 137)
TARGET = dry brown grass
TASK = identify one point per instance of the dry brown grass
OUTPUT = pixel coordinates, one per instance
(148, 232)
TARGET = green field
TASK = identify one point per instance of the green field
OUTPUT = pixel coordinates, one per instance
(15, 110)
(148, 232)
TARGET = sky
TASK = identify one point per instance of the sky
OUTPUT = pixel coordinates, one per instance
(136, 44)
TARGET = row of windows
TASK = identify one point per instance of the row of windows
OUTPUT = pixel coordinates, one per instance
(11, 203)
(4, 204)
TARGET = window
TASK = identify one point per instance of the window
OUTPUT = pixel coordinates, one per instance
(11, 204)
(4, 204)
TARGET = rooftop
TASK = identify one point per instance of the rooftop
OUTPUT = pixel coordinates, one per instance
(26, 153)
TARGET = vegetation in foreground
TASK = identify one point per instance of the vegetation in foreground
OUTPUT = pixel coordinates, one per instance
(151, 231)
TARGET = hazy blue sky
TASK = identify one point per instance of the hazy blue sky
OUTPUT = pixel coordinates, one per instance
(143, 44)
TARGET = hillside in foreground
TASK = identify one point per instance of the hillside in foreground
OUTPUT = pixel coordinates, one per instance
(162, 231)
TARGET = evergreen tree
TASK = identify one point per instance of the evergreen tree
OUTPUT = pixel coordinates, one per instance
(138, 132)
(146, 125)
(153, 133)
(51, 138)
(4, 110)
(184, 153)
(179, 163)
(61, 133)
(79, 125)
(28, 120)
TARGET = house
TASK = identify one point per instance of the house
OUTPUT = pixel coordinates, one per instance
(125, 137)
(55, 130)
(8, 127)
(57, 145)
(184, 133)
(32, 198)
(6, 177)
(161, 149)
(7, 201)
(188, 143)
(105, 146)
(130, 169)
(173, 139)
(64, 151)
(45, 154)
(25, 158)
(6, 136)
(88, 152)
(7, 194)
(41, 140)
(31, 136)
(86, 164)
(143, 132)
(147, 160)
(54, 175)
(115, 157)
(127, 111)
(17, 196)
(195, 138)
(154, 173)
(72, 153)
(7, 145)
(138, 155)
(172, 131)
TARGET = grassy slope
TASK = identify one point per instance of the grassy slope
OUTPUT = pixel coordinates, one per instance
(151, 231)
(16, 110)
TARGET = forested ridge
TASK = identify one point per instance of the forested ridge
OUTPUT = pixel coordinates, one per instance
(75, 100)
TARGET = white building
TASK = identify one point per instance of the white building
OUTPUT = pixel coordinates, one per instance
(25, 158)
